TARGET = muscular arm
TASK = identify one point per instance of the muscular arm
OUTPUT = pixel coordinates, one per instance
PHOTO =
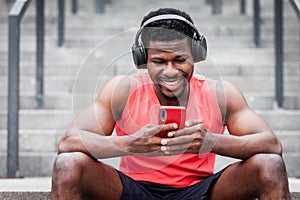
(249, 133)
(91, 131)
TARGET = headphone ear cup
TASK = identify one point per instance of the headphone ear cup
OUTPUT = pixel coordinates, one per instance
(199, 49)
(139, 55)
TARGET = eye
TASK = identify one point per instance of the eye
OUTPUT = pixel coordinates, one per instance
(180, 60)
(158, 61)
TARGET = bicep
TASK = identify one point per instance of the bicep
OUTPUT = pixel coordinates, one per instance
(240, 118)
(101, 117)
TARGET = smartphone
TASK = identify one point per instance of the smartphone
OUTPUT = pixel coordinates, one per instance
(171, 114)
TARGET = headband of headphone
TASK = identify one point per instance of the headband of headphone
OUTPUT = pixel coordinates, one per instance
(198, 46)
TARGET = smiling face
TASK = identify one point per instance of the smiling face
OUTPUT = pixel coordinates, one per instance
(170, 66)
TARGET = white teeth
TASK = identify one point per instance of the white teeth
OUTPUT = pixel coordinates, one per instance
(171, 83)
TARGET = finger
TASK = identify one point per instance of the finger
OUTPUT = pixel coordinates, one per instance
(172, 150)
(181, 132)
(185, 139)
(164, 127)
(193, 122)
(151, 130)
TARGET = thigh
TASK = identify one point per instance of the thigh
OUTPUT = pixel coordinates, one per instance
(78, 173)
(102, 181)
(262, 175)
(236, 182)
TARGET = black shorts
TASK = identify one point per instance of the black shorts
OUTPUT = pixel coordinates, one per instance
(152, 191)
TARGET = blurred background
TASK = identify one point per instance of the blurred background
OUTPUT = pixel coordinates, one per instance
(56, 55)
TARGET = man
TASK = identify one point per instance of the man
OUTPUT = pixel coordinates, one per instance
(179, 166)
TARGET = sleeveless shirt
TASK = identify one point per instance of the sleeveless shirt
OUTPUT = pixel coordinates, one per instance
(141, 108)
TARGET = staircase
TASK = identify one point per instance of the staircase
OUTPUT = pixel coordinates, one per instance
(98, 46)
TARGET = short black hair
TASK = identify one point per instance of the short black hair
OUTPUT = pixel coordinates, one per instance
(166, 29)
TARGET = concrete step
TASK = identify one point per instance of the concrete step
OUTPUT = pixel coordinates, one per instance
(55, 84)
(46, 140)
(60, 119)
(25, 195)
(31, 164)
(291, 161)
(229, 36)
(215, 65)
(40, 119)
(40, 164)
(26, 188)
(46, 195)
(78, 100)
(290, 140)
(34, 140)
(281, 119)
(291, 152)
(53, 101)
(68, 84)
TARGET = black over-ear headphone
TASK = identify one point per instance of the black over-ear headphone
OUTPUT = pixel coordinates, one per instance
(198, 48)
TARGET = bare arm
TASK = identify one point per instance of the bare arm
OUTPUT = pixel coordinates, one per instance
(249, 133)
(91, 131)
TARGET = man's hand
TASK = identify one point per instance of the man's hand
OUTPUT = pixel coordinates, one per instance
(194, 139)
(146, 142)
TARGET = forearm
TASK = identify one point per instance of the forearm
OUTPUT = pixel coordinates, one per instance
(92, 144)
(243, 147)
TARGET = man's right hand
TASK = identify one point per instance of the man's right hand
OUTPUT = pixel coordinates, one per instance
(145, 141)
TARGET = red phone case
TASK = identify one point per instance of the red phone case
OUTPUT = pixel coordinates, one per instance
(171, 114)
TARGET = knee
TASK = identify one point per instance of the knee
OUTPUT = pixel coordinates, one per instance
(268, 167)
(68, 167)
(66, 161)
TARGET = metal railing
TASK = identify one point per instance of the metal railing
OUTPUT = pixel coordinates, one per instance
(99, 6)
(15, 16)
(19, 9)
(40, 32)
(256, 23)
(61, 22)
(278, 48)
(14, 20)
(296, 5)
(278, 35)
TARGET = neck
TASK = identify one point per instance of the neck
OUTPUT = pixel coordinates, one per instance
(181, 100)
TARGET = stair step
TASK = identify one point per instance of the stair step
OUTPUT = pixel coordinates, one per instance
(231, 57)
(60, 119)
(25, 195)
(281, 119)
(82, 83)
(46, 140)
(31, 164)
(34, 140)
(80, 100)
(290, 140)
(40, 119)
(292, 161)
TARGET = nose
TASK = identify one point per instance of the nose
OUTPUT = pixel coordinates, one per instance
(170, 70)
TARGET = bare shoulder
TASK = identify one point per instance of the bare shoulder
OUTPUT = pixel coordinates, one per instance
(234, 98)
(230, 98)
(114, 94)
